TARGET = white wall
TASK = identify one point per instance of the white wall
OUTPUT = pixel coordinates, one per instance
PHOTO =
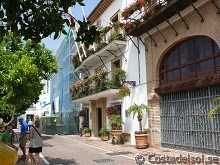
(139, 92)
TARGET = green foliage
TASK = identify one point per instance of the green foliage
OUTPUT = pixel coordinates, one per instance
(87, 130)
(116, 121)
(22, 67)
(111, 84)
(103, 132)
(214, 109)
(138, 109)
(116, 37)
(124, 91)
(36, 19)
(118, 72)
(87, 35)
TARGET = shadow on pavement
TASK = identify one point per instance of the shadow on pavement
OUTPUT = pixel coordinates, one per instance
(56, 161)
(47, 145)
(47, 137)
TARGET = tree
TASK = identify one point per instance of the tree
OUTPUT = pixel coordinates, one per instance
(22, 67)
(38, 19)
(138, 109)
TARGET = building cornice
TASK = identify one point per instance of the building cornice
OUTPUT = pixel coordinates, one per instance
(98, 10)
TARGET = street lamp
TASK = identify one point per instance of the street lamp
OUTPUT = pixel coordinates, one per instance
(123, 78)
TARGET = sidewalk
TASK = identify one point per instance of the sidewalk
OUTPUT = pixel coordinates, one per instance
(153, 155)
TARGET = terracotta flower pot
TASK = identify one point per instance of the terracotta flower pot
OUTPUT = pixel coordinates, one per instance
(117, 132)
(87, 134)
(141, 141)
(105, 138)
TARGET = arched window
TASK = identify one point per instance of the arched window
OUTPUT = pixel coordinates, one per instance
(193, 58)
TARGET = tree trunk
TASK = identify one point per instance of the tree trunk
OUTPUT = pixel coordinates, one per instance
(140, 126)
(12, 117)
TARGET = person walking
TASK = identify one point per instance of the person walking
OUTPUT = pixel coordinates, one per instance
(36, 142)
(23, 136)
(7, 137)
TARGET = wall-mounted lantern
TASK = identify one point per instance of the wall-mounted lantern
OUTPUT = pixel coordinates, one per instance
(123, 78)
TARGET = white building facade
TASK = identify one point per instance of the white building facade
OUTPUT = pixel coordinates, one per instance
(115, 50)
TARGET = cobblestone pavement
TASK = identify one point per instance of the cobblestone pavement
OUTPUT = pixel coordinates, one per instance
(75, 150)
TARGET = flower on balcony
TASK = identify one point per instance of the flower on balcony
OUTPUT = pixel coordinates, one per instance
(128, 26)
(112, 110)
(77, 85)
(126, 13)
(198, 82)
(100, 75)
(137, 5)
(86, 82)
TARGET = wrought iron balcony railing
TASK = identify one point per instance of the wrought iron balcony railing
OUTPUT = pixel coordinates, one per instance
(94, 84)
(151, 14)
(107, 38)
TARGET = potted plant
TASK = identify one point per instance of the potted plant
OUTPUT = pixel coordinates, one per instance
(124, 91)
(140, 136)
(118, 72)
(87, 132)
(116, 124)
(104, 134)
(111, 110)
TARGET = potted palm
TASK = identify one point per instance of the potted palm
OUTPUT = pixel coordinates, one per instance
(116, 124)
(87, 132)
(140, 136)
(104, 134)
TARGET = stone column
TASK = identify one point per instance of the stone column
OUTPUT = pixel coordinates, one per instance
(154, 120)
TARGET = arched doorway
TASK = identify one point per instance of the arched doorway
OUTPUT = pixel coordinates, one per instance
(189, 81)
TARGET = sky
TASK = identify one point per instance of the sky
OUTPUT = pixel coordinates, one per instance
(53, 45)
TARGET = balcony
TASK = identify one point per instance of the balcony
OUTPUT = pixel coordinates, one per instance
(96, 96)
(143, 17)
(94, 87)
(112, 42)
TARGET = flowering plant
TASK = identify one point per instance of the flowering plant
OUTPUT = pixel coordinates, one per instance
(75, 60)
(83, 112)
(137, 5)
(194, 83)
(86, 82)
(112, 110)
(100, 75)
(128, 26)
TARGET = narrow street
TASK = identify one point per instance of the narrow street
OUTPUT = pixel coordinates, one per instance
(69, 150)
(76, 150)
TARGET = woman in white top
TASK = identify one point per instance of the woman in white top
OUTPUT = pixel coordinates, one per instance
(36, 142)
